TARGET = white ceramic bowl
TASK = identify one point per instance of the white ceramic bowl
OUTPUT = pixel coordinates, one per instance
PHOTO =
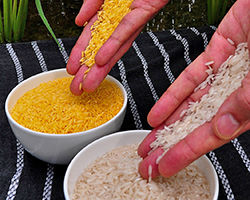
(57, 148)
(112, 141)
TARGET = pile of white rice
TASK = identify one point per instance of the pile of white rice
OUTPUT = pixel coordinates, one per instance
(222, 84)
(115, 176)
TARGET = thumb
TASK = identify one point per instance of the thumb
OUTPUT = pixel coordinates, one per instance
(234, 114)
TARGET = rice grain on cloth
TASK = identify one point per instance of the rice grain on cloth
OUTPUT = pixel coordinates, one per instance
(222, 84)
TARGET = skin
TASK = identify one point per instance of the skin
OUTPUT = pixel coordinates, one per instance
(231, 120)
(114, 48)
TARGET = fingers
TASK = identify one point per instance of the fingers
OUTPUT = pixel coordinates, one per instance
(176, 97)
(235, 24)
(73, 64)
(75, 87)
(87, 11)
(122, 33)
(231, 120)
(140, 14)
(234, 113)
(193, 146)
(175, 94)
(150, 161)
(234, 27)
(190, 78)
(144, 148)
(196, 144)
(97, 73)
(113, 49)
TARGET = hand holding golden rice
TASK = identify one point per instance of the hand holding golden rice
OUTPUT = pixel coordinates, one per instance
(109, 16)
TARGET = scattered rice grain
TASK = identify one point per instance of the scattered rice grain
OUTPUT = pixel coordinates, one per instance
(209, 63)
(230, 41)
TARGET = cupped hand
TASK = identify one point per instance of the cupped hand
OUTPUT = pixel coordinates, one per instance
(114, 48)
(232, 118)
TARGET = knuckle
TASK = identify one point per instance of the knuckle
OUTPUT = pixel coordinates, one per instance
(190, 78)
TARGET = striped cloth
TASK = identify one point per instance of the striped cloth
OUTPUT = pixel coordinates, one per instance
(146, 71)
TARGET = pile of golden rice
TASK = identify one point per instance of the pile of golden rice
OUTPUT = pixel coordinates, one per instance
(51, 108)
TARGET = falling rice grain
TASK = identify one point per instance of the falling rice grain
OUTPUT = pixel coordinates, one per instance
(150, 169)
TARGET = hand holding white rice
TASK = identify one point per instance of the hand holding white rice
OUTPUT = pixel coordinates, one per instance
(222, 84)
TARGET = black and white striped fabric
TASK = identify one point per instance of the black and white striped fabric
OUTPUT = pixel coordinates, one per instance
(152, 63)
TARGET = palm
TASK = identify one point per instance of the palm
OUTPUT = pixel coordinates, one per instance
(120, 41)
(236, 26)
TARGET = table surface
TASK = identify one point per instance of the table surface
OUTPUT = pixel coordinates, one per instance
(153, 62)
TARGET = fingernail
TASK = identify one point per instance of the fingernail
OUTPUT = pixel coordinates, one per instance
(227, 126)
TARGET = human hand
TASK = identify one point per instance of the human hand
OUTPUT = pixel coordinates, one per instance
(232, 118)
(114, 48)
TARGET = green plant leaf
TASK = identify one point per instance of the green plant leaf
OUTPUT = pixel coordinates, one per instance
(23, 22)
(45, 21)
(216, 10)
(1, 29)
(19, 21)
(224, 9)
(209, 11)
(7, 10)
(14, 16)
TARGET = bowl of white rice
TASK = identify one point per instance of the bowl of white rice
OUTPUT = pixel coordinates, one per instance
(108, 169)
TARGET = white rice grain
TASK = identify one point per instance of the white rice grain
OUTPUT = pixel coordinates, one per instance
(150, 169)
(209, 63)
(228, 79)
(183, 113)
(230, 41)
(125, 182)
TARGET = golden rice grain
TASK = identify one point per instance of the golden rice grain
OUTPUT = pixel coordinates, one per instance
(51, 108)
(109, 16)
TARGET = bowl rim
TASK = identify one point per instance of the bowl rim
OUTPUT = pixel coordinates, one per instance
(73, 162)
(7, 112)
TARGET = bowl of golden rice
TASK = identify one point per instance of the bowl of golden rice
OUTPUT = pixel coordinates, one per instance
(108, 169)
(54, 125)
